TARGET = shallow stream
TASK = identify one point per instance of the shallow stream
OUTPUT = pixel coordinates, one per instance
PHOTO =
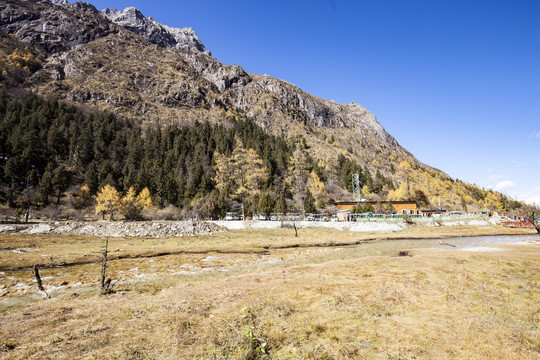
(167, 270)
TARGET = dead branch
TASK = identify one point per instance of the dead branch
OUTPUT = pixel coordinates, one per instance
(39, 284)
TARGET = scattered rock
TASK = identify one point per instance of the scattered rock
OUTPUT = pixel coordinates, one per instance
(38, 229)
(118, 228)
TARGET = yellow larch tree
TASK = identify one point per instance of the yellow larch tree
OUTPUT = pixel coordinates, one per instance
(244, 168)
(249, 173)
(401, 193)
(129, 206)
(405, 171)
(108, 201)
(316, 186)
(133, 204)
(82, 198)
(298, 175)
(144, 199)
(492, 201)
(224, 169)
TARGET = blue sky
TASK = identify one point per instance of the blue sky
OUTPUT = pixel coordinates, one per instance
(456, 82)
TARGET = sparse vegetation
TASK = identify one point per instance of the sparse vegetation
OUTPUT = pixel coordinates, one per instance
(316, 302)
(168, 142)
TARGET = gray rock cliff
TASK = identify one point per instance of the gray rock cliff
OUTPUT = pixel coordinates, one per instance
(51, 27)
(161, 35)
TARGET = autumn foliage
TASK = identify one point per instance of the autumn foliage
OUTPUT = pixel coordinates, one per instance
(108, 201)
(50, 149)
(244, 170)
(130, 206)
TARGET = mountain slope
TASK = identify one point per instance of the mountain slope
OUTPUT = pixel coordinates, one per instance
(171, 80)
(123, 62)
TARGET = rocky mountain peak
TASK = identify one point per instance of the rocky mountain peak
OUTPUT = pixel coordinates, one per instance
(131, 16)
(53, 26)
(79, 5)
(162, 35)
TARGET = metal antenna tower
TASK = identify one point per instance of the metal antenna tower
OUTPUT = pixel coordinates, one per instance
(356, 187)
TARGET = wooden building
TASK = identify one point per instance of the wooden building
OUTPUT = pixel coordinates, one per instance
(400, 207)
(343, 215)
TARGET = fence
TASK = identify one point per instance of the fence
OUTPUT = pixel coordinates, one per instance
(414, 218)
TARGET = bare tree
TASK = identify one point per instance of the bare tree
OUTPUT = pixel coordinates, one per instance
(534, 222)
(106, 283)
(292, 223)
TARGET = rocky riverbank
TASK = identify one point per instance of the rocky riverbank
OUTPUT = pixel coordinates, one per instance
(115, 228)
(188, 228)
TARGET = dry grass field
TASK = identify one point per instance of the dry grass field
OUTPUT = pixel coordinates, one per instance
(264, 294)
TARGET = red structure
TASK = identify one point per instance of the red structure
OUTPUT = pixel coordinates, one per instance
(518, 224)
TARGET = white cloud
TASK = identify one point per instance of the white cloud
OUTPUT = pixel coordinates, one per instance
(532, 197)
(518, 164)
(535, 135)
(504, 185)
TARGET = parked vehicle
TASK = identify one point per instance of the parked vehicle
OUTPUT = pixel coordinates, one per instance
(232, 216)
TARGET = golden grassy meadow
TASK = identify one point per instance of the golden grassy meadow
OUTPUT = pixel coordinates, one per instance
(264, 294)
